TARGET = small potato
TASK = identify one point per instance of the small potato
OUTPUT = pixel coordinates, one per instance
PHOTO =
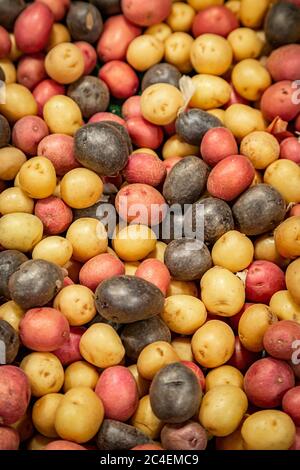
(224, 375)
(245, 44)
(88, 238)
(281, 171)
(19, 103)
(268, 430)
(263, 279)
(43, 414)
(143, 133)
(250, 79)
(261, 148)
(101, 346)
(89, 188)
(58, 250)
(37, 178)
(181, 17)
(279, 59)
(9, 438)
(160, 31)
(62, 115)
(141, 383)
(20, 231)
(11, 160)
(292, 277)
(279, 339)
(217, 20)
(158, 252)
(287, 237)
(156, 272)
(69, 351)
(178, 147)
(55, 215)
(144, 52)
(143, 168)
(79, 415)
(182, 288)
(211, 54)
(253, 324)
(242, 120)
(233, 251)
(15, 200)
(218, 113)
(211, 92)
(38, 442)
(154, 357)
(44, 371)
(59, 33)
(56, 145)
(76, 303)
(134, 242)
(145, 14)
(120, 78)
(63, 445)
(145, 420)
(183, 348)
(282, 305)
(64, 63)
(160, 103)
(9, 70)
(12, 313)
(131, 268)
(187, 436)
(31, 70)
(213, 344)
(222, 292)
(177, 51)
(279, 100)
(184, 314)
(234, 441)
(252, 12)
(99, 268)
(222, 409)
(80, 374)
(199, 5)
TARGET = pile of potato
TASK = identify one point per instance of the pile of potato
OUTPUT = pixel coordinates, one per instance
(116, 334)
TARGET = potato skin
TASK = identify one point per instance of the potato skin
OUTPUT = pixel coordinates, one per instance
(146, 14)
(63, 445)
(290, 404)
(282, 24)
(15, 394)
(10, 338)
(9, 438)
(187, 436)
(192, 125)
(10, 261)
(279, 338)
(145, 169)
(84, 22)
(114, 435)
(267, 273)
(278, 100)
(284, 63)
(161, 73)
(91, 94)
(9, 11)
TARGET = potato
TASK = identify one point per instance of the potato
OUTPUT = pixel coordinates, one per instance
(263, 280)
(182, 287)
(211, 54)
(252, 13)
(79, 415)
(63, 445)
(89, 56)
(134, 242)
(189, 436)
(160, 103)
(111, 74)
(38, 442)
(292, 279)
(146, 15)
(233, 441)
(80, 374)
(160, 31)
(202, 4)
(77, 304)
(59, 33)
(242, 120)
(224, 375)
(154, 357)
(283, 63)
(131, 268)
(64, 63)
(44, 371)
(177, 51)
(145, 169)
(261, 148)
(278, 100)
(217, 20)
(99, 269)
(18, 104)
(9, 71)
(253, 324)
(10, 340)
(5, 43)
(84, 22)
(69, 352)
(43, 414)
(37, 178)
(192, 125)
(144, 52)
(286, 238)
(88, 238)
(245, 43)
(141, 383)
(290, 404)
(62, 115)
(9, 438)
(171, 406)
(175, 145)
(58, 250)
(222, 409)
(114, 435)
(211, 92)
(268, 430)
(250, 79)
(233, 251)
(283, 306)
(20, 231)
(213, 344)
(10, 261)
(89, 188)
(31, 71)
(12, 314)
(101, 346)
(91, 94)
(184, 314)
(46, 90)
(15, 394)
(145, 420)
(280, 171)
(181, 17)
(280, 338)
(11, 160)
(183, 349)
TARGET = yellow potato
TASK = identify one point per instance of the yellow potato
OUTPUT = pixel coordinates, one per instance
(211, 92)
(44, 371)
(182, 287)
(292, 279)
(178, 50)
(281, 171)
(101, 346)
(245, 44)
(144, 52)
(158, 252)
(55, 249)
(224, 375)
(20, 231)
(39, 442)
(268, 430)
(37, 177)
(218, 113)
(265, 249)
(242, 120)
(9, 70)
(64, 63)
(232, 442)
(234, 6)
(233, 251)
(250, 79)
(222, 409)
(181, 17)
(183, 347)
(145, 150)
(19, 102)
(76, 303)
(81, 188)
(145, 420)
(80, 374)
(261, 148)
(213, 344)
(160, 103)
(287, 238)
(202, 4)
(177, 147)
(15, 52)
(59, 34)
(253, 324)
(43, 414)
(88, 237)
(15, 200)
(79, 415)
(12, 313)
(134, 242)
(131, 268)
(211, 54)
(62, 115)
(11, 160)
(160, 31)
(142, 384)
(283, 306)
(155, 356)
(184, 314)
(222, 292)
(252, 12)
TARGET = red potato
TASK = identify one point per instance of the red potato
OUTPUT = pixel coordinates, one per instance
(296, 444)
(63, 445)
(146, 13)
(31, 70)
(144, 134)
(147, 447)
(297, 124)
(28, 132)
(46, 90)
(264, 278)
(55, 215)
(267, 381)
(33, 28)
(230, 177)
(217, 144)
(280, 337)
(44, 329)
(291, 404)
(284, 63)
(117, 34)
(118, 392)
(290, 149)
(144, 168)
(156, 272)
(59, 149)
(197, 371)
(68, 282)
(5, 43)
(278, 100)
(242, 358)
(69, 352)
(120, 78)
(295, 211)
(9, 438)
(141, 203)
(170, 163)
(215, 20)
(98, 117)
(170, 129)
(100, 268)
(59, 8)
(89, 56)
(234, 321)
(15, 394)
(235, 98)
(132, 108)
(185, 436)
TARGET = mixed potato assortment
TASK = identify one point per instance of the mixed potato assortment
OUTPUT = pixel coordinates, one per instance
(115, 333)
